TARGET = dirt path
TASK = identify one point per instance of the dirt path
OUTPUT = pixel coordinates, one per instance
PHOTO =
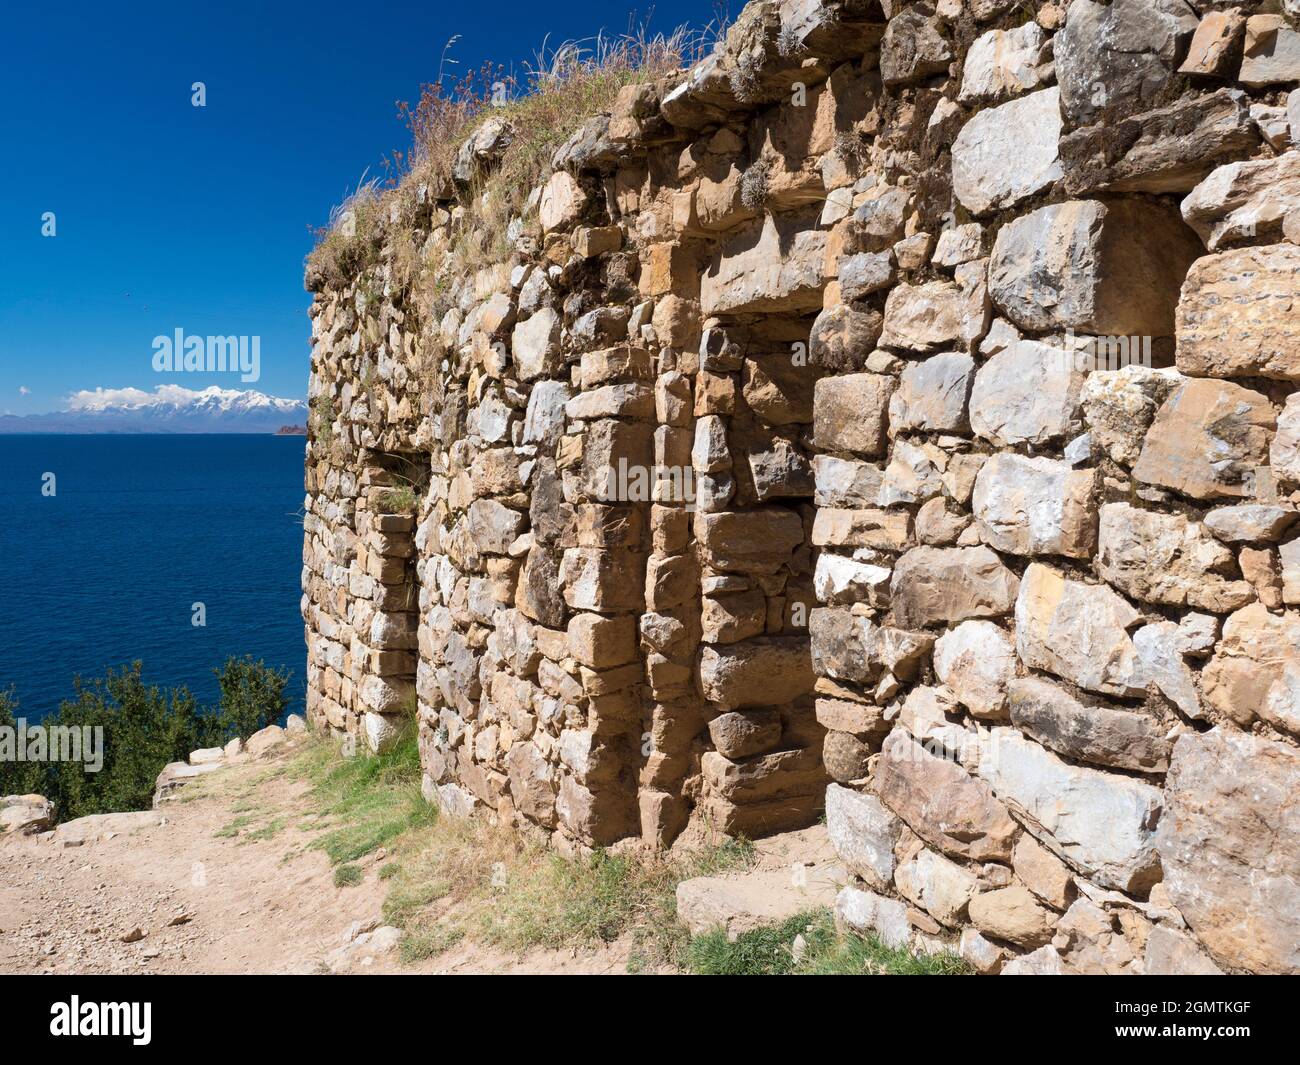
(207, 900)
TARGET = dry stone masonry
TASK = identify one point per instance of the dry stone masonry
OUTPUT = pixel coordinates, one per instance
(895, 416)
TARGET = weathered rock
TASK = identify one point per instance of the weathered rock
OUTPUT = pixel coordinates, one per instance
(22, 815)
(933, 585)
(1119, 406)
(602, 642)
(1042, 872)
(865, 911)
(838, 580)
(1237, 316)
(1245, 201)
(1271, 55)
(842, 336)
(1077, 631)
(740, 733)
(942, 803)
(1170, 952)
(1012, 914)
(844, 645)
(932, 394)
(979, 953)
(1284, 451)
(850, 413)
(862, 274)
(845, 483)
(768, 672)
(1161, 649)
(1029, 393)
(1230, 845)
(532, 783)
(846, 757)
(1115, 59)
(751, 541)
(1215, 43)
(1006, 154)
(1075, 265)
(777, 390)
(1002, 64)
(535, 345)
(1207, 440)
(1255, 671)
(1035, 506)
(935, 314)
(913, 47)
(863, 833)
(562, 203)
(1099, 735)
(1164, 558)
(1251, 522)
(1101, 823)
(913, 475)
(959, 244)
(774, 265)
(938, 885)
(883, 529)
(1168, 149)
(977, 660)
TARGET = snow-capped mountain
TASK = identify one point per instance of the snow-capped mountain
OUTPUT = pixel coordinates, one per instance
(167, 409)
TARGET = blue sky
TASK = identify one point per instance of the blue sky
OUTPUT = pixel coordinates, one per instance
(169, 215)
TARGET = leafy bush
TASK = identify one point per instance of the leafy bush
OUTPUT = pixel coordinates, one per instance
(144, 728)
(17, 778)
(252, 697)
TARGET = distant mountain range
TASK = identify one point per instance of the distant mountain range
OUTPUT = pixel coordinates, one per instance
(167, 409)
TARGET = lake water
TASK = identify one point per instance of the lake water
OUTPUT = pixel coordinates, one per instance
(107, 570)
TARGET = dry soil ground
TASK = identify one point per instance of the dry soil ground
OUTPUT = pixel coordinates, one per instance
(188, 896)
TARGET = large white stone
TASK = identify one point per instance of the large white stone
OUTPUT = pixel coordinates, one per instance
(1101, 823)
(977, 660)
(1035, 506)
(1028, 393)
(1006, 154)
(1003, 63)
(863, 833)
(1077, 631)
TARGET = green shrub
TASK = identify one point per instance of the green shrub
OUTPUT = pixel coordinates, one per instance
(252, 697)
(17, 778)
(144, 728)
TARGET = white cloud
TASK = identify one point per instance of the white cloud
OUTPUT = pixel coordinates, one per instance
(23, 390)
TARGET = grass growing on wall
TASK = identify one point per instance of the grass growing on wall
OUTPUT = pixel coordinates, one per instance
(555, 93)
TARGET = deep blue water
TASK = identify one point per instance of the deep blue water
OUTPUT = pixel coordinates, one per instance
(142, 527)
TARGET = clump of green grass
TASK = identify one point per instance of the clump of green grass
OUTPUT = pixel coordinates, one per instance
(423, 943)
(366, 801)
(561, 902)
(826, 952)
(348, 875)
(399, 500)
(268, 831)
(233, 828)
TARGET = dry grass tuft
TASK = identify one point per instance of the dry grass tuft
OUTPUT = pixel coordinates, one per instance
(545, 104)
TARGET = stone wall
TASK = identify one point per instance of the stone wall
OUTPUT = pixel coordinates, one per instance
(894, 415)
